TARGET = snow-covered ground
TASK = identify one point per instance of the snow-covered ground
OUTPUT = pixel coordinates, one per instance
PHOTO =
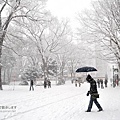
(65, 102)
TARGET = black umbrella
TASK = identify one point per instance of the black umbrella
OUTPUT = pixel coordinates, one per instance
(86, 69)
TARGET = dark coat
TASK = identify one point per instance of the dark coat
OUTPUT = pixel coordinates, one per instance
(101, 81)
(98, 81)
(31, 82)
(45, 83)
(93, 85)
(105, 81)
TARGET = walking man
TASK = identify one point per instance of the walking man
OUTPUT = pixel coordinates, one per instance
(101, 81)
(49, 84)
(106, 81)
(31, 85)
(45, 83)
(76, 83)
(98, 82)
(94, 94)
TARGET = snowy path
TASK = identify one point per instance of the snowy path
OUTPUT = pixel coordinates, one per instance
(65, 102)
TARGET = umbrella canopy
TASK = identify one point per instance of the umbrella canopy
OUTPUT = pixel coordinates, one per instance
(86, 69)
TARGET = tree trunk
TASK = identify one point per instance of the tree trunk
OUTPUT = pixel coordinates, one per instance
(0, 64)
(1, 43)
(4, 76)
(0, 80)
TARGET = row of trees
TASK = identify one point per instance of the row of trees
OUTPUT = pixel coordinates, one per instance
(31, 39)
(101, 26)
(33, 43)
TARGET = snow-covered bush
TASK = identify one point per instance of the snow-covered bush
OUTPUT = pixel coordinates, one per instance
(31, 73)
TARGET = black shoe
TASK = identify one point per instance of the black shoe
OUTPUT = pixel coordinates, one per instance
(88, 111)
(100, 110)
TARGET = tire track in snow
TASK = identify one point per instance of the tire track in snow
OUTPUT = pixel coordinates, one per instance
(39, 107)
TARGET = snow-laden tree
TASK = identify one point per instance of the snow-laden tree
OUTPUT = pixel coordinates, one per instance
(101, 27)
(45, 39)
(52, 67)
(11, 10)
(31, 73)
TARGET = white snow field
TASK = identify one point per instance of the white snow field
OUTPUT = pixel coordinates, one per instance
(64, 102)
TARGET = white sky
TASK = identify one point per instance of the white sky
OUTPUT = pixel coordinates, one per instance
(67, 8)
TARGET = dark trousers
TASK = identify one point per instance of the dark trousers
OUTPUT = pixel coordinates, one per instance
(91, 103)
(31, 86)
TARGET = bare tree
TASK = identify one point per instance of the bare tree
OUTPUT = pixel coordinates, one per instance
(101, 25)
(16, 9)
(46, 38)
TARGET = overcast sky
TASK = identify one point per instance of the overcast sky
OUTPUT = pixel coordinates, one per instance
(67, 8)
